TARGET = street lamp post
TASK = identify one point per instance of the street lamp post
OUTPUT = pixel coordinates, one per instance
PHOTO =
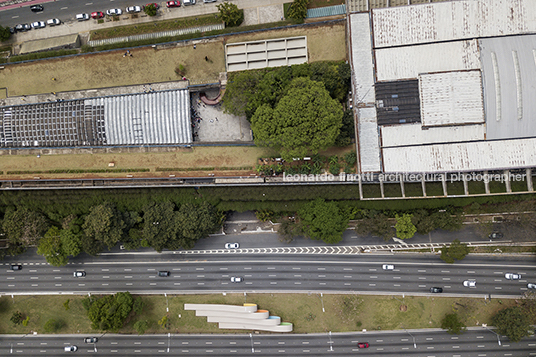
(330, 342)
(167, 304)
(168, 341)
(414, 343)
(251, 338)
(322, 301)
(490, 330)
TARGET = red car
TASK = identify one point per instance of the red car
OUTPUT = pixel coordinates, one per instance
(97, 15)
(173, 3)
(362, 345)
(155, 5)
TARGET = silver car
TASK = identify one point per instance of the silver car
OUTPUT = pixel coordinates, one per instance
(388, 267)
(237, 279)
(133, 9)
(79, 274)
(512, 276)
(531, 286)
(232, 245)
(53, 22)
(114, 12)
(469, 284)
(38, 25)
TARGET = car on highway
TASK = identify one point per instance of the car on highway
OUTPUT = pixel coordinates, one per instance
(153, 3)
(79, 274)
(37, 8)
(38, 24)
(363, 345)
(237, 279)
(512, 276)
(232, 245)
(188, 2)
(469, 284)
(82, 17)
(531, 286)
(53, 22)
(388, 267)
(163, 273)
(15, 267)
(97, 15)
(133, 9)
(436, 290)
(496, 235)
(173, 3)
(114, 12)
(91, 340)
(22, 27)
(70, 348)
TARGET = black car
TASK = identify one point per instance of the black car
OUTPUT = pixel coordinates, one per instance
(496, 235)
(37, 8)
(436, 290)
(163, 273)
(15, 267)
(22, 27)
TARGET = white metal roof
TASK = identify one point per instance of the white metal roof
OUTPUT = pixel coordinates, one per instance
(415, 134)
(481, 155)
(395, 63)
(452, 20)
(451, 98)
(361, 56)
(369, 147)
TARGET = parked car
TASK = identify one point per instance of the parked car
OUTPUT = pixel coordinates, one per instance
(237, 279)
(133, 9)
(114, 12)
(205, 1)
(22, 27)
(363, 345)
(173, 3)
(37, 8)
(91, 340)
(496, 235)
(79, 274)
(512, 276)
(38, 24)
(82, 17)
(436, 290)
(163, 273)
(469, 284)
(531, 286)
(388, 267)
(97, 15)
(70, 348)
(15, 267)
(53, 22)
(232, 245)
(188, 2)
(153, 3)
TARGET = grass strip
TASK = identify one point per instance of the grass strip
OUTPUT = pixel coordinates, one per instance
(74, 171)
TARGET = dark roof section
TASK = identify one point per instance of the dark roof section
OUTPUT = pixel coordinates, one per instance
(398, 102)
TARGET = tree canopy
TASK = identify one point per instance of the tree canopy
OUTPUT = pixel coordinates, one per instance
(150, 9)
(512, 322)
(452, 324)
(323, 220)
(24, 226)
(109, 312)
(456, 251)
(404, 228)
(298, 10)
(5, 34)
(376, 224)
(230, 14)
(104, 224)
(305, 120)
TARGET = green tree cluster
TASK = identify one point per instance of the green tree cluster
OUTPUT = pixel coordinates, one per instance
(5, 33)
(23, 226)
(298, 10)
(150, 9)
(141, 326)
(16, 317)
(404, 228)
(456, 251)
(426, 221)
(323, 220)
(230, 14)
(453, 325)
(109, 312)
(376, 224)
(513, 322)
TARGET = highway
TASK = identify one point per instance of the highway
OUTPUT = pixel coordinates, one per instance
(477, 342)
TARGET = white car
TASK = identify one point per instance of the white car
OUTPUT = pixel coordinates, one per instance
(82, 17)
(79, 274)
(237, 279)
(114, 12)
(512, 276)
(53, 22)
(38, 25)
(531, 286)
(232, 245)
(469, 284)
(70, 348)
(388, 267)
(188, 2)
(133, 9)
(205, 1)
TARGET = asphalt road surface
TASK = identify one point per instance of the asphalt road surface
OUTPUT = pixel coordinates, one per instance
(477, 342)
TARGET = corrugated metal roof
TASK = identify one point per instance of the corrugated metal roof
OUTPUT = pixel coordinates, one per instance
(451, 98)
(474, 156)
(361, 57)
(326, 11)
(454, 20)
(369, 147)
(395, 63)
(147, 118)
(415, 134)
(398, 102)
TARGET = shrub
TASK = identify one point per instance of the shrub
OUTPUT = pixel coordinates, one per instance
(150, 10)
(16, 318)
(230, 14)
(298, 10)
(141, 326)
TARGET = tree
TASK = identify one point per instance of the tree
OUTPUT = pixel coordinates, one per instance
(230, 14)
(141, 326)
(150, 10)
(5, 33)
(288, 230)
(323, 220)
(109, 312)
(376, 224)
(104, 224)
(50, 246)
(159, 224)
(193, 223)
(298, 10)
(240, 91)
(52, 325)
(452, 324)
(23, 226)
(305, 121)
(512, 322)
(456, 251)
(404, 228)
(16, 318)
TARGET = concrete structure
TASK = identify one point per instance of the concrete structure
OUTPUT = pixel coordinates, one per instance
(52, 43)
(245, 317)
(266, 53)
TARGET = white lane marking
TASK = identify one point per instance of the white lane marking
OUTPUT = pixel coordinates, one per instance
(498, 288)
(104, 284)
(89, 3)
(105, 269)
(296, 268)
(224, 268)
(297, 283)
(33, 270)
(106, 277)
(445, 271)
(373, 277)
(57, 277)
(272, 275)
(320, 268)
(127, 269)
(65, 8)
(446, 278)
(34, 277)
(421, 271)
(199, 268)
(15, 17)
(57, 284)
(471, 272)
(128, 276)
